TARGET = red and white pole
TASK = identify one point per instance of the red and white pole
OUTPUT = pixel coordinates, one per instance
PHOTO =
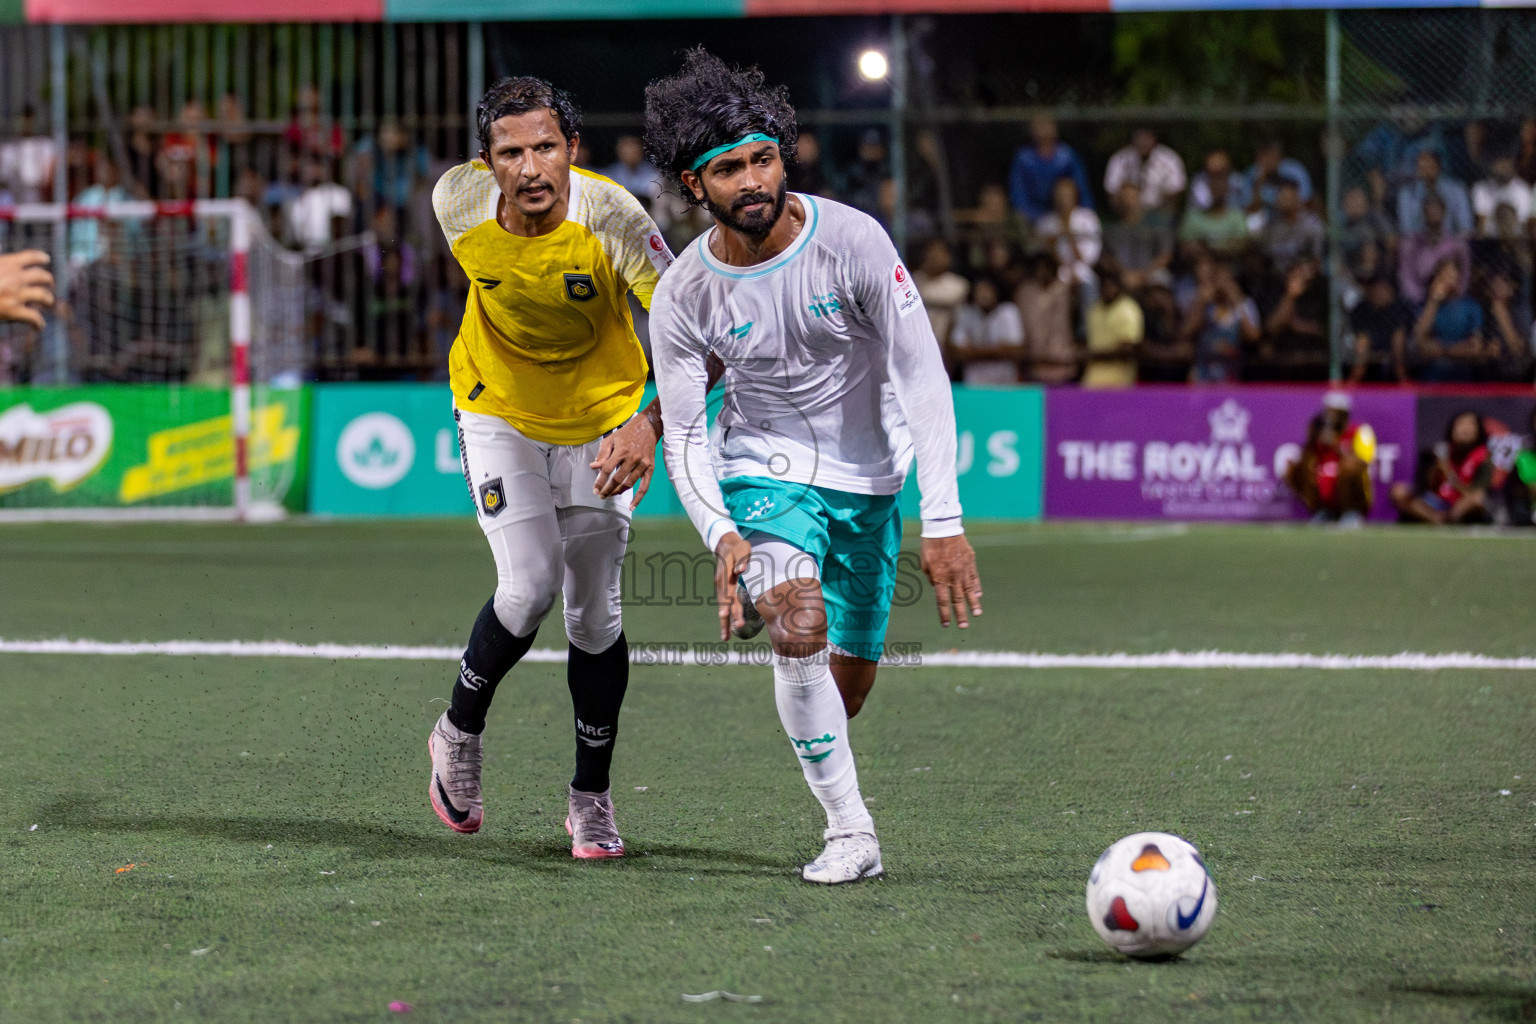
(240, 353)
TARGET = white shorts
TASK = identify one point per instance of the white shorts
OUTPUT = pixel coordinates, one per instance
(548, 532)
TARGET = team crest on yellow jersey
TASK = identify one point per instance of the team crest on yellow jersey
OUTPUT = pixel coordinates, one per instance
(580, 287)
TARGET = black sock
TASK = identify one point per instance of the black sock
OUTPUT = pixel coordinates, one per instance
(491, 653)
(597, 682)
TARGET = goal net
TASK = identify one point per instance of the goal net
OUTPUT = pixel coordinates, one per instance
(168, 379)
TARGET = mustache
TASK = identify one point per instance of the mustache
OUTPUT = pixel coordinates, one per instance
(751, 199)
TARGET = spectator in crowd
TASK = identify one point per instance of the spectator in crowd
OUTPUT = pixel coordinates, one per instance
(1378, 328)
(943, 290)
(309, 131)
(1448, 335)
(1429, 181)
(1509, 329)
(990, 219)
(1045, 305)
(1525, 151)
(1155, 171)
(1239, 194)
(1115, 331)
(988, 337)
(1330, 477)
(1037, 168)
(322, 211)
(1290, 234)
(806, 174)
(1389, 152)
(388, 166)
(1452, 483)
(632, 170)
(1220, 322)
(1502, 187)
(1270, 171)
(186, 157)
(1141, 246)
(1367, 239)
(1420, 254)
(88, 235)
(1003, 261)
(1220, 224)
(26, 161)
(1294, 345)
(142, 151)
(236, 133)
(1071, 231)
(1520, 484)
(862, 183)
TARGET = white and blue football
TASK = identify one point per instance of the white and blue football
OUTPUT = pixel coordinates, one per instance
(1150, 895)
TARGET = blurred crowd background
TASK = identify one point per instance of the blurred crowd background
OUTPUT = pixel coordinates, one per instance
(1197, 197)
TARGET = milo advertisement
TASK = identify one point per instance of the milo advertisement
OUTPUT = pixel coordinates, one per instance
(127, 446)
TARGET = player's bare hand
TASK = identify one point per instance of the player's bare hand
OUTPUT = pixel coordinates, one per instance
(950, 563)
(25, 284)
(731, 556)
(627, 458)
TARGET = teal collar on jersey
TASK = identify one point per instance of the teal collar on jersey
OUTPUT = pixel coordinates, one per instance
(813, 217)
(710, 154)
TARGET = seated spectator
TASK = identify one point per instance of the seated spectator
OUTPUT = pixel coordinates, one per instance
(1367, 239)
(1448, 335)
(863, 180)
(1378, 328)
(1520, 483)
(1220, 224)
(942, 289)
(1003, 262)
(1239, 192)
(1501, 188)
(634, 171)
(1220, 322)
(1509, 330)
(1037, 167)
(390, 166)
(988, 337)
(184, 172)
(1272, 169)
(806, 174)
(26, 160)
(321, 212)
(1045, 305)
(144, 175)
(88, 236)
(1429, 181)
(1152, 169)
(1419, 255)
(1329, 477)
(1525, 150)
(1115, 332)
(309, 131)
(1290, 234)
(1072, 232)
(1141, 246)
(1451, 485)
(1295, 345)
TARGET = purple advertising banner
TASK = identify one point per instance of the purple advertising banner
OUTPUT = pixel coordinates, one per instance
(1202, 453)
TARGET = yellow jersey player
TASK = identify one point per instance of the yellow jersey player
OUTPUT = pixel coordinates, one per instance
(547, 376)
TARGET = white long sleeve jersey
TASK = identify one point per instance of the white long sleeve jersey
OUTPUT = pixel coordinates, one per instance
(832, 373)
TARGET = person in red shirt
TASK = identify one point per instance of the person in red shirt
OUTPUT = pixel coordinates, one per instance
(1332, 477)
(1454, 477)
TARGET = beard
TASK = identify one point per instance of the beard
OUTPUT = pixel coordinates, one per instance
(754, 225)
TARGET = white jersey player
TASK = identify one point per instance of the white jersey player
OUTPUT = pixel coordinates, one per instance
(833, 384)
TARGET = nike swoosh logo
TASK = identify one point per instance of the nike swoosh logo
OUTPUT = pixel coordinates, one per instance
(459, 817)
(741, 332)
(1185, 922)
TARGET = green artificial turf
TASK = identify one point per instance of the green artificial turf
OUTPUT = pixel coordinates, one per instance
(287, 866)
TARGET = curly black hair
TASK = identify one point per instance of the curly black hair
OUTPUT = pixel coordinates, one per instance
(519, 96)
(709, 104)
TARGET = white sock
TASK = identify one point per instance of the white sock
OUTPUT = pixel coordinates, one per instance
(811, 710)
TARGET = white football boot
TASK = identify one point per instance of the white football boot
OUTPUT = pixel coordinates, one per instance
(455, 785)
(589, 823)
(848, 857)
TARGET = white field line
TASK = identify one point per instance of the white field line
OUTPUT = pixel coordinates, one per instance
(683, 655)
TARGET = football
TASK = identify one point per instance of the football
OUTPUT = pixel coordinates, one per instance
(1150, 895)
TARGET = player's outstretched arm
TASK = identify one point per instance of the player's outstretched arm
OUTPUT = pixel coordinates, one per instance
(25, 284)
(627, 456)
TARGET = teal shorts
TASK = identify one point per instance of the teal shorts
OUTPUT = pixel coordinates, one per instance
(855, 539)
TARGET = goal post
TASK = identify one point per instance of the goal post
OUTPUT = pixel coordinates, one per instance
(168, 382)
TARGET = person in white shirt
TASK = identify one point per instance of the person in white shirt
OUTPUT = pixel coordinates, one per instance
(833, 382)
(1500, 188)
(1074, 235)
(988, 336)
(26, 161)
(1155, 169)
(318, 216)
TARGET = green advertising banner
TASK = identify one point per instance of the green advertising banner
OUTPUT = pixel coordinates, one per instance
(130, 446)
(391, 449)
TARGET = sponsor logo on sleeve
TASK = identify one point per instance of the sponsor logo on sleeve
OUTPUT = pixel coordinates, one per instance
(907, 298)
(658, 253)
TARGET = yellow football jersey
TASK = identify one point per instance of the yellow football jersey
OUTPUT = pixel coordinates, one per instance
(547, 342)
